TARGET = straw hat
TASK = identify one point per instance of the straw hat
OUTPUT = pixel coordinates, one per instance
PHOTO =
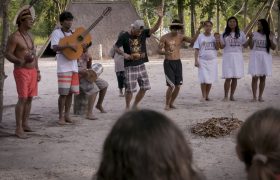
(23, 12)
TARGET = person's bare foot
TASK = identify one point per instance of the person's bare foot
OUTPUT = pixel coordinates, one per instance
(20, 134)
(100, 108)
(261, 99)
(225, 99)
(61, 121)
(231, 98)
(68, 119)
(91, 117)
(134, 107)
(202, 99)
(167, 108)
(27, 129)
(254, 99)
(208, 99)
(171, 106)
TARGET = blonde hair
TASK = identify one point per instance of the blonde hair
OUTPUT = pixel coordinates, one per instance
(258, 142)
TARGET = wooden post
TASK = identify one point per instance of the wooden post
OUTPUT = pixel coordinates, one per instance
(5, 34)
(250, 26)
(278, 26)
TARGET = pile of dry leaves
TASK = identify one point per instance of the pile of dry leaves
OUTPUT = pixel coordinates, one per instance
(216, 127)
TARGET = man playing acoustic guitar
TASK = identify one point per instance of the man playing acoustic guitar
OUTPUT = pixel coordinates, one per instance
(67, 70)
(21, 51)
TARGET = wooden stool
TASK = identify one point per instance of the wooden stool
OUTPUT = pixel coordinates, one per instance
(80, 103)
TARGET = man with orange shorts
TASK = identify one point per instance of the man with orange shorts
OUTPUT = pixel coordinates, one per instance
(21, 51)
(67, 70)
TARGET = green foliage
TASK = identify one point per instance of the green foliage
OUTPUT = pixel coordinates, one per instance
(47, 12)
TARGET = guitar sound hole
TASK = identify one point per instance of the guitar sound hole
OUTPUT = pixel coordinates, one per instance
(80, 38)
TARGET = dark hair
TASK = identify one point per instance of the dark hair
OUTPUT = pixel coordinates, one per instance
(145, 145)
(228, 30)
(176, 27)
(260, 135)
(204, 23)
(66, 15)
(266, 31)
(121, 33)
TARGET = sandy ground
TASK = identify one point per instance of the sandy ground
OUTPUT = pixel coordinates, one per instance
(72, 152)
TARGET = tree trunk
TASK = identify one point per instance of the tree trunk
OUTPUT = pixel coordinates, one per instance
(192, 9)
(278, 28)
(245, 13)
(5, 34)
(218, 16)
(181, 12)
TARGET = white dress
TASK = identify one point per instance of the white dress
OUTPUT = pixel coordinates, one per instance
(208, 66)
(260, 63)
(233, 65)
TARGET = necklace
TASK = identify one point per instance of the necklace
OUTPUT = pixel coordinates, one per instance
(32, 44)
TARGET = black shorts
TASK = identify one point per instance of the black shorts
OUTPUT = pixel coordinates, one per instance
(173, 72)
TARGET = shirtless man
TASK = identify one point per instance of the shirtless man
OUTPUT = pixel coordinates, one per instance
(170, 45)
(21, 51)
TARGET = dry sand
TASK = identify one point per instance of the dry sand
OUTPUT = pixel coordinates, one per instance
(72, 152)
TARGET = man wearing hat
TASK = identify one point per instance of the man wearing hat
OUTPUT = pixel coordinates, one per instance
(170, 45)
(21, 52)
(135, 55)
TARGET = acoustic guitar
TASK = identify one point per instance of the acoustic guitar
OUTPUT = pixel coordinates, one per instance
(79, 37)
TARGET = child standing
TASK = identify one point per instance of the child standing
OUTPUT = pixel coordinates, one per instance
(119, 68)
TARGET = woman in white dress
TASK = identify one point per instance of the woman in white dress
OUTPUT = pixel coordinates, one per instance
(260, 64)
(206, 47)
(232, 42)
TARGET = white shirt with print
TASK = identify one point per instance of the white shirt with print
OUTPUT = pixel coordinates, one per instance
(63, 64)
(260, 42)
(206, 46)
(233, 44)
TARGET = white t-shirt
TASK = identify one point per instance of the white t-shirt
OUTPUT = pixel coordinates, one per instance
(206, 46)
(260, 42)
(233, 44)
(63, 64)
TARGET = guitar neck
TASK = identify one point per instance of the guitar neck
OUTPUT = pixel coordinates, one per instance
(92, 26)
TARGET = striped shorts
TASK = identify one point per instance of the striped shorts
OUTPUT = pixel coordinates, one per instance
(134, 74)
(68, 82)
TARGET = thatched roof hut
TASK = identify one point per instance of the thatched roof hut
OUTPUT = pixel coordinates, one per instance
(104, 35)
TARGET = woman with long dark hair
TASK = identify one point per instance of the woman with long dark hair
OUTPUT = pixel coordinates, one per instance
(206, 47)
(232, 42)
(260, 64)
(146, 145)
